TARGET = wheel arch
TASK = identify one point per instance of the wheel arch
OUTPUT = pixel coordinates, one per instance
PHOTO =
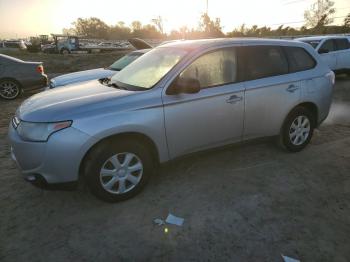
(312, 107)
(146, 140)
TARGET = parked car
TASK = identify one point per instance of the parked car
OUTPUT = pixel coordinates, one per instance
(13, 44)
(334, 50)
(94, 74)
(177, 99)
(17, 76)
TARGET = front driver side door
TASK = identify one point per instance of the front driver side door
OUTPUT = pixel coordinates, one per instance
(329, 57)
(211, 117)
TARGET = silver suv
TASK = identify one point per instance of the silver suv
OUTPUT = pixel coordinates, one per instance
(177, 99)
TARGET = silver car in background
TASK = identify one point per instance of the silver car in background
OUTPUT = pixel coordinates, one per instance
(177, 99)
(17, 75)
(95, 74)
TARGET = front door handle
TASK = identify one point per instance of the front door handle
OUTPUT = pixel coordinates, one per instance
(233, 99)
(292, 88)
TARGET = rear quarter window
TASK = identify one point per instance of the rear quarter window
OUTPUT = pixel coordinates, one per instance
(299, 59)
(263, 61)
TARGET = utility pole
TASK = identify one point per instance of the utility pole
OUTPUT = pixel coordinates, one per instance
(207, 7)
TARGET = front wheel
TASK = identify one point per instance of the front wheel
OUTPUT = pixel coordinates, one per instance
(118, 171)
(298, 129)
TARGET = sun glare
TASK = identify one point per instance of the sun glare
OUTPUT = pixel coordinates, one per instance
(51, 16)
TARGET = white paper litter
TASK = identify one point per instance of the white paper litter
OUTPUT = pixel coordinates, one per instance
(174, 220)
(159, 221)
(288, 259)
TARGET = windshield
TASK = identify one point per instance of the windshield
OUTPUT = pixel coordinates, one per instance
(313, 43)
(146, 71)
(124, 61)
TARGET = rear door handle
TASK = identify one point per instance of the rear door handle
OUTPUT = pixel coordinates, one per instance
(292, 88)
(233, 99)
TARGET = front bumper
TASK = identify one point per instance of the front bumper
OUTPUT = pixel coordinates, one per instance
(57, 160)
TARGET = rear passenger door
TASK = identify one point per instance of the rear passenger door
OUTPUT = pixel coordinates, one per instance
(270, 91)
(342, 53)
(327, 52)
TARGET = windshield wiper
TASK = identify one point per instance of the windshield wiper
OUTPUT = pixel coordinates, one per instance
(107, 82)
(116, 86)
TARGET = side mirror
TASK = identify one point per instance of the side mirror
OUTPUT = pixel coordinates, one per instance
(323, 51)
(184, 86)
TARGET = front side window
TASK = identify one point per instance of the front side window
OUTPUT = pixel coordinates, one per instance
(313, 43)
(327, 46)
(150, 68)
(214, 68)
(342, 44)
(263, 61)
(124, 61)
(299, 59)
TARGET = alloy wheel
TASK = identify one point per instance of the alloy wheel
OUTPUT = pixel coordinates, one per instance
(299, 130)
(9, 89)
(121, 173)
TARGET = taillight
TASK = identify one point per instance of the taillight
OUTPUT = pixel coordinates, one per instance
(40, 69)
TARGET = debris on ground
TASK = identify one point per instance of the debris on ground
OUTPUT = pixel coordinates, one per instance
(171, 219)
(288, 259)
(174, 220)
(159, 222)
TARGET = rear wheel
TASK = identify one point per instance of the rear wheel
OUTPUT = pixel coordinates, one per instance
(298, 129)
(118, 171)
(9, 89)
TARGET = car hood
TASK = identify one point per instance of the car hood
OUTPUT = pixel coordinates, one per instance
(81, 76)
(68, 103)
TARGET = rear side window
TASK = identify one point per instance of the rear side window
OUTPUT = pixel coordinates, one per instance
(263, 61)
(342, 44)
(299, 59)
(214, 68)
(12, 45)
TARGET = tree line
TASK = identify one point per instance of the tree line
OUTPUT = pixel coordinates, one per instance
(318, 20)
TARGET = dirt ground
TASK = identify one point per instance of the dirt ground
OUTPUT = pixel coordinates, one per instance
(251, 202)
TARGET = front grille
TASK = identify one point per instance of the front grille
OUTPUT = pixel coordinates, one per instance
(15, 122)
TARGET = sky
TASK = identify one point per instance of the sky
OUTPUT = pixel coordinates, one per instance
(23, 18)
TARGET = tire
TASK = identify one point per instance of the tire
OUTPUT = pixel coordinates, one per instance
(297, 129)
(9, 89)
(100, 169)
(65, 51)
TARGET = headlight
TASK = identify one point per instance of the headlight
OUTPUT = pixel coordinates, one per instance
(40, 132)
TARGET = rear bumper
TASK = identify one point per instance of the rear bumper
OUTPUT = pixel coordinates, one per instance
(55, 161)
(35, 83)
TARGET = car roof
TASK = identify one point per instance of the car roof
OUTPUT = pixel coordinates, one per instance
(321, 37)
(207, 43)
(6, 57)
(140, 51)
